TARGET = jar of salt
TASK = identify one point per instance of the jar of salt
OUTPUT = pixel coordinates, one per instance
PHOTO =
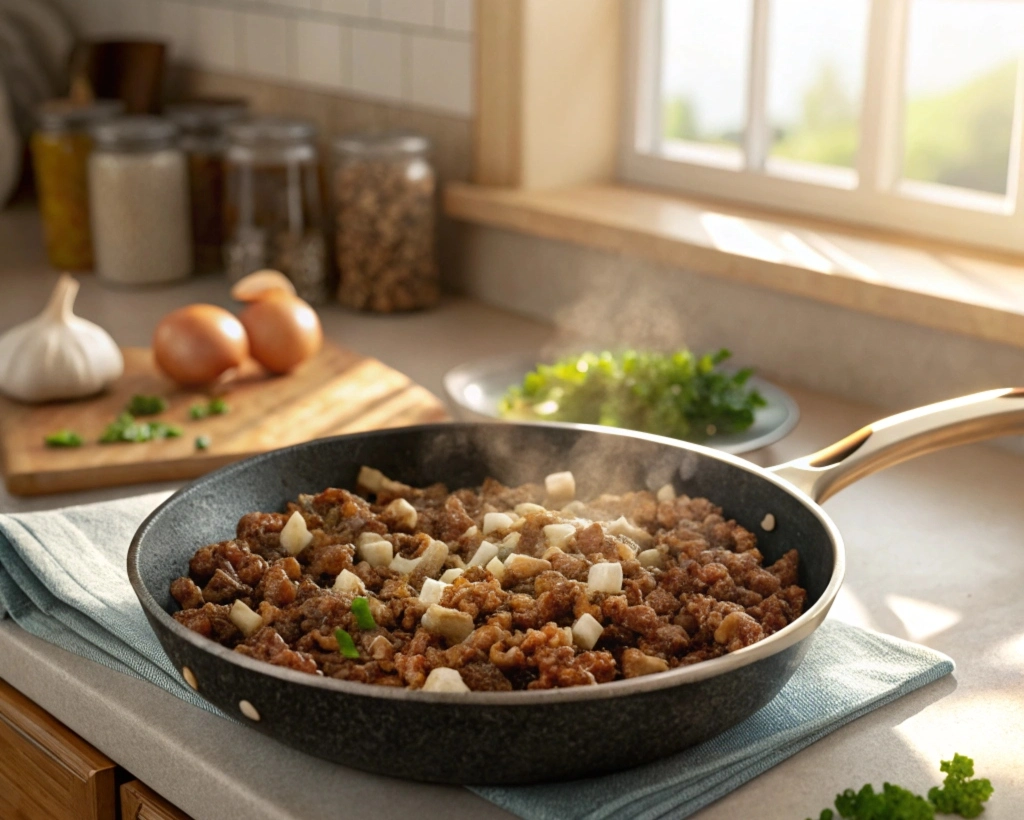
(139, 202)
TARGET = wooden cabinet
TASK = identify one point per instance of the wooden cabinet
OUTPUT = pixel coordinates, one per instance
(47, 772)
(139, 802)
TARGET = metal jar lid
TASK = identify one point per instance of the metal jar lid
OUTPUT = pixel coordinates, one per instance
(382, 144)
(206, 116)
(137, 133)
(270, 130)
(68, 115)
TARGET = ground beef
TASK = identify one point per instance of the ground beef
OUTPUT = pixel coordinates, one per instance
(706, 592)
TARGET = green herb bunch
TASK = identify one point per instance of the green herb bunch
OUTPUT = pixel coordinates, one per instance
(959, 794)
(671, 394)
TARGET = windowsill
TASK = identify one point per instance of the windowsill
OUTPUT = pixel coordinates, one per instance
(925, 283)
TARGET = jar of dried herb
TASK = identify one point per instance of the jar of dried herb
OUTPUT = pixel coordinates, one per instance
(273, 208)
(61, 145)
(204, 141)
(383, 186)
(139, 202)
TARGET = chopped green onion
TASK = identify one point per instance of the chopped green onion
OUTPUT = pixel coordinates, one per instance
(63, 438)
(126, 428)
(364, 618)
(346, 646)
(142, 405)
(198, 411)
(218, 407)
(202, 442)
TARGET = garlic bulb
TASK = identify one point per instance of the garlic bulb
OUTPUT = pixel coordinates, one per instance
(58, 355)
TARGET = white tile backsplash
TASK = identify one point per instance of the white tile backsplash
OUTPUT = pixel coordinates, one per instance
(265, 45)
(440, 74)
(215, 42)
(377, 63)
(416, 52)
(320, 53)
(410, 12)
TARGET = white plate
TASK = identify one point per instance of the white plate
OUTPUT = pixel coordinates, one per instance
(476, 390)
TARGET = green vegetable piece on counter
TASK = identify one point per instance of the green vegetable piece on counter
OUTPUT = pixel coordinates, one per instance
(141, 405)
(198, 411)
(959, 793)
(671, 394)
(63, 438)
(125, 428)
(346, 646)
(364, 618)
(202, 442)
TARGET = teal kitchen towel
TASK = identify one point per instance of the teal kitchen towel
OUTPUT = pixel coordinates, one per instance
(63, 578)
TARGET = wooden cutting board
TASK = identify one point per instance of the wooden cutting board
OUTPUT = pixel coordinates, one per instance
(339, 391)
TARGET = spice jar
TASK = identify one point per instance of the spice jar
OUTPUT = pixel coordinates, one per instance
(61, 146)
(273, 211)
(204, 142)
(384, 206)
(138, 198)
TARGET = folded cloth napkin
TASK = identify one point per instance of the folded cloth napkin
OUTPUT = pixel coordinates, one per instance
(63, 578)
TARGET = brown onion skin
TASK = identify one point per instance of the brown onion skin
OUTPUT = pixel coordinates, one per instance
(284, 331)
(197, 344)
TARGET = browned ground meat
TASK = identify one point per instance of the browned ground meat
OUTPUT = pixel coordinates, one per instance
(694, 587)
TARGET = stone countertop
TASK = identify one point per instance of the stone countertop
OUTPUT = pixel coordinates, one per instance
(934, 555)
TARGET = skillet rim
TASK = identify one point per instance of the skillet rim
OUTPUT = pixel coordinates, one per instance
(791, 634)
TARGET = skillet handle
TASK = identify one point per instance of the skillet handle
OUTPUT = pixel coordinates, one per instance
(904, 436)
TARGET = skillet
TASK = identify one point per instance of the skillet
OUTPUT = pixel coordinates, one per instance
(531, 736)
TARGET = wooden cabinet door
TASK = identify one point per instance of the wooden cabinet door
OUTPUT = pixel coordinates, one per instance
(139, 802)
(47, 772)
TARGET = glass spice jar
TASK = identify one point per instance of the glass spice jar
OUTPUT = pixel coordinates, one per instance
(61, 145)
(203, 139)
(139, 204)
(273, 210)
(383, 187)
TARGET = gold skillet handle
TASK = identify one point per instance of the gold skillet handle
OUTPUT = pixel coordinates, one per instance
(904, 436)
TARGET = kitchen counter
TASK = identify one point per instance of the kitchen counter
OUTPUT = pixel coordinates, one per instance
(934, 555)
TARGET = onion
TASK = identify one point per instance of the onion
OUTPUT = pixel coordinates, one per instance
(197, 344)
(283, 331)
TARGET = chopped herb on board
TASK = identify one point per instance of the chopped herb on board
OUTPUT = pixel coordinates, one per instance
(127, 429)
(214, 407)
(63, 438)
(142, 405)
(202, 442)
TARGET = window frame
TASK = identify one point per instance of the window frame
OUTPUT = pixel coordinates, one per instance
(879, 200)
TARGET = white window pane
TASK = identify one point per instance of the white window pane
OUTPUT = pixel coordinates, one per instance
(816, 53)
(961, 78)
(705, 53)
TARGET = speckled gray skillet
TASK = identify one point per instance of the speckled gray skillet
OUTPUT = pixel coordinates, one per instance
(515, 737)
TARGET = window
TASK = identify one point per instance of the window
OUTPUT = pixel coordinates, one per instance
(899, 114)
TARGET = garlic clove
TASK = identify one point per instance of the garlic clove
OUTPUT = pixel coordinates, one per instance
(58, 355)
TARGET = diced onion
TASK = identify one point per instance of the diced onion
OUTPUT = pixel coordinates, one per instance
(444, 679)
(452, 624)
(526, 566)
(496, 568)
(449, 575)
(348, 581)
(368, 538)
(402, 512)
(623, 526)
(561, 487)
(403, 565)
(586, 631)
(666, 493)
(496, 521)
(470, 532)
(557, 535)
(526, 508)
(377, 553)
(295, 537)
(370, 478)
(651, 558)
(508, 544)
(244, 618)
(484, 553)
(605, 577)
(431, 591)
